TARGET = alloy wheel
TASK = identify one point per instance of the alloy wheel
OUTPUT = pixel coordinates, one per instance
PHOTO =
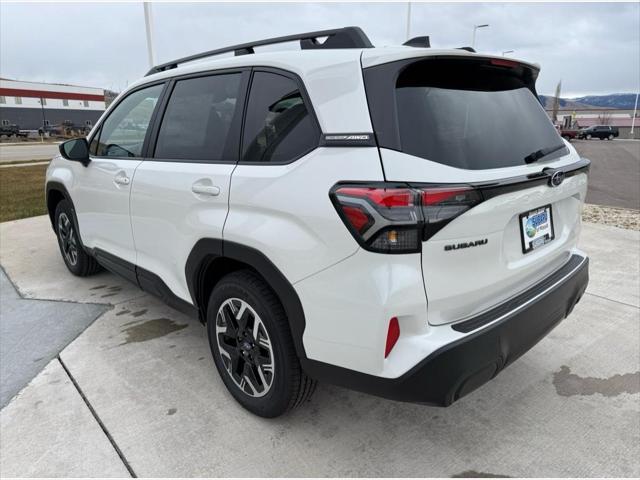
(67, 236)
(245, 347)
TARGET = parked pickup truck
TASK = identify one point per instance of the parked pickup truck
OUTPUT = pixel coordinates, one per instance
(10, 131)
(599, 131)
(569, 133)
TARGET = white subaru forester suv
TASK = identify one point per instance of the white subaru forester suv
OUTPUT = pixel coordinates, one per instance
(401, 221)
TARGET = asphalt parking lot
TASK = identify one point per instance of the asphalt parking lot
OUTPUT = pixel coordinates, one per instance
(137, 393)
(614, 179)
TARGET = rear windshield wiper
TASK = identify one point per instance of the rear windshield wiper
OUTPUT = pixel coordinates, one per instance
(543, 152)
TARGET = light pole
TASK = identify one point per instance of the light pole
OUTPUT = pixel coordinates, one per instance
(507, 51)
(408, 20)
(149, 27)
(635, 109)
(476, 27)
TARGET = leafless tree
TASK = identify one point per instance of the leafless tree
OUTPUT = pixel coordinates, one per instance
(604, 118)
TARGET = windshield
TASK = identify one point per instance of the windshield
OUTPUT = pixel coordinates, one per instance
(470, 115)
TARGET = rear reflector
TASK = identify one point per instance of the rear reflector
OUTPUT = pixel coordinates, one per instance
(392, 336)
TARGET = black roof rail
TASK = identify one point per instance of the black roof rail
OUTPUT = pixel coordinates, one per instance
(346, 37)
(419, 42)
(468, 49)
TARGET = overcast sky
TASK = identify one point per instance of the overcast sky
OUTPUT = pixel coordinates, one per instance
(593, 48)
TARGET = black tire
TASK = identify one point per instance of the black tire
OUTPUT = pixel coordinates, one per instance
(286, 385)
(588, 137)
(75, 258)
(610, 137)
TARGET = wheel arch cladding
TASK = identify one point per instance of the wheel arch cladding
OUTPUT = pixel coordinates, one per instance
(211, 259)
(55, 193)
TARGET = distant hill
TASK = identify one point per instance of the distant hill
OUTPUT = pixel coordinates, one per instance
(624, 101)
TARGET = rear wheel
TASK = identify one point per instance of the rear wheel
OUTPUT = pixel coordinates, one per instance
(252, 346)
(75, 258)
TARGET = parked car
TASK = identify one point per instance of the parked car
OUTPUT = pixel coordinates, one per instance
(599, 131)
(11, 130)
(341, 213)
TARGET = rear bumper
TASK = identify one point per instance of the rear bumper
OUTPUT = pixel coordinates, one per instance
(495, 339)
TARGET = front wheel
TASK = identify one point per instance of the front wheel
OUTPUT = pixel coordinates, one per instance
(75, 258)
(252, 346)
(610, 137)
(588, 137)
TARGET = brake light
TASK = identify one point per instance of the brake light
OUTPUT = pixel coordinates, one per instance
(385, 197)
(504, 63)
(393, 334)
(441, 205)
(434, 196)
(388, 218)
(357, 217)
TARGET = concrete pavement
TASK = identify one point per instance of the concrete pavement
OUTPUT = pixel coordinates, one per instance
(27, 151)
(64, 439)
(569, 407)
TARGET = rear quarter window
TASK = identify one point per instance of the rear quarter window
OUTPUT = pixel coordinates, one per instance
(279, 127)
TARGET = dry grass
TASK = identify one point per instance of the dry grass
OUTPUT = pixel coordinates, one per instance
(22, 192)
(614, 216)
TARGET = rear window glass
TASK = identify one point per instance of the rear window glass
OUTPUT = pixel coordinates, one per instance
(469, 117)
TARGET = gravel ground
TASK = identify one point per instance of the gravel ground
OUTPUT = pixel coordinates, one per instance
(613, 216)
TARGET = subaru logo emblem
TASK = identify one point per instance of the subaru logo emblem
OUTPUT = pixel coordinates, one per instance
(557, 178)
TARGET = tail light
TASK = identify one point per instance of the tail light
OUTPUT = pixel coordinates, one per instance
(392, 218)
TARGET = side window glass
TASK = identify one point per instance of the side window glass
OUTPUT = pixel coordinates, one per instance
(197, 122)
(122, 133)
(278, 127)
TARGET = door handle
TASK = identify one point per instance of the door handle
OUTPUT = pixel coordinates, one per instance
(122, 180)
(210, 190)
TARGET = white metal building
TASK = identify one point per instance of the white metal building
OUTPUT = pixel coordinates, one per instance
(32, 105)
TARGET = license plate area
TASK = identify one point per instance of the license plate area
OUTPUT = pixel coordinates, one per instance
(536, 228)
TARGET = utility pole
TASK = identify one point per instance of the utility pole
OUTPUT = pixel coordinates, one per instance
(556, 103)
(149, 27)
(476, 27)
(44, 119)
(408, 36)
(635, 110)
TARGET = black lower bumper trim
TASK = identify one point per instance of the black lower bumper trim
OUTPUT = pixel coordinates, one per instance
(462, 366)
(510, 305)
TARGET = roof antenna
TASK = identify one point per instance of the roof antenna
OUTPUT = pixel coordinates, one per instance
(418, 42)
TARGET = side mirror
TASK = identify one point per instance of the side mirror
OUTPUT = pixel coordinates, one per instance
(76, 150)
